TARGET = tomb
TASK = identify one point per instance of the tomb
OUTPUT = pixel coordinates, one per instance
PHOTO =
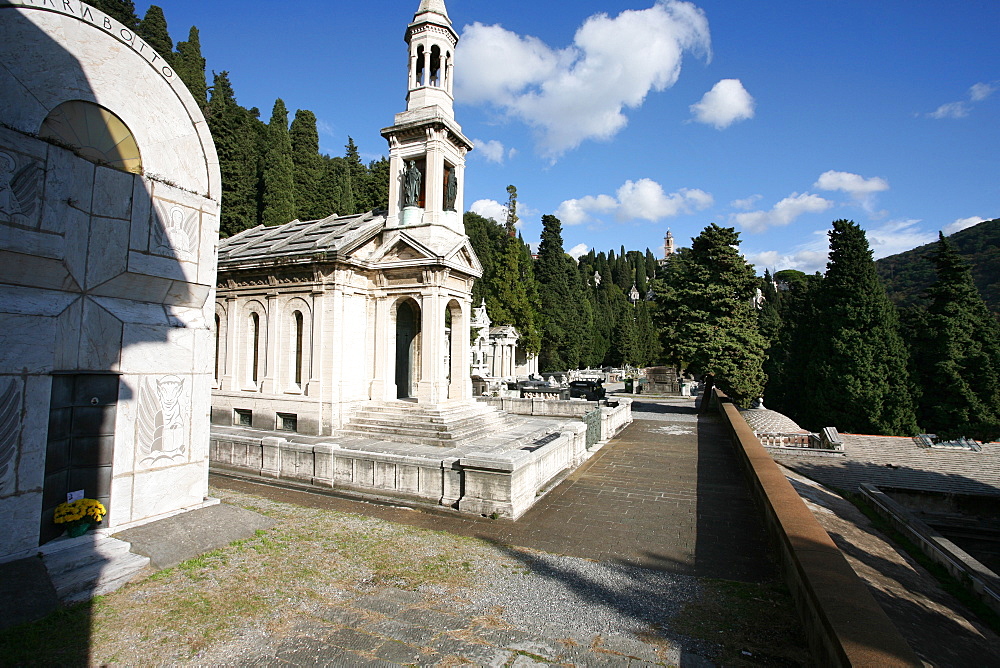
(109, 203)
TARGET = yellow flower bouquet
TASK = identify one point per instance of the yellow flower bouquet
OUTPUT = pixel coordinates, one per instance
(79, 515)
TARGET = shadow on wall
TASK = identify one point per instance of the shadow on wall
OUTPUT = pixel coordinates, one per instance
(101, 301)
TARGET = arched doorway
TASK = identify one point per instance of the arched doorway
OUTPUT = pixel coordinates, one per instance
(407, 328)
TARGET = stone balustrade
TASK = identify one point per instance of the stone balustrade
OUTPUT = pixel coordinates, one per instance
(613, 418)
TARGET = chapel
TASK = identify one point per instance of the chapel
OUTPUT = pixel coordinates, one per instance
(316, 319)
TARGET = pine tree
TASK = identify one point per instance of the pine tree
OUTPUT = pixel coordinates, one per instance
(512, 218)
(153, 30)
(122, 11)
(566, 314)
(190, 66)
(856, 378)
(235, 138)
(279, 183)
(307, 166)
(707, 314)
(957, 354)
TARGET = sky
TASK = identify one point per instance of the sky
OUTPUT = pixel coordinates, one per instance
(626, 118)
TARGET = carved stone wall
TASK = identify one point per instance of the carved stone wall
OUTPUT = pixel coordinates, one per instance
(103, 271)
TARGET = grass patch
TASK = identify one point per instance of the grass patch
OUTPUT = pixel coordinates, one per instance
(61, 638)
(947, 581)
(741, 617)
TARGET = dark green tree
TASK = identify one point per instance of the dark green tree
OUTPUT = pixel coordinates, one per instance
(122, 11)
(153, 30)
(359, 178)
(279, 183)
(378, 184)
(856, 378)
(233, 130)
(956, 354)
(707, 315)
(308, 167)
(566, 312)
(190, 66)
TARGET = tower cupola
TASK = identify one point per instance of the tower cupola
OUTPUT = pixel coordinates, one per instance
(432, 43)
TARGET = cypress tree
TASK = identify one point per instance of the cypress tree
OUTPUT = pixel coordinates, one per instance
(279, 183)
(307, 166)
(153, 30)
(359, 178)
(235, 138)
(957, 354)
(707, 315)
(856, 379)
(554, 295)
(122, 11)
(190, 66)
(378, 185)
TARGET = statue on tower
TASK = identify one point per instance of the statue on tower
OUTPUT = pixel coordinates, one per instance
(450, 191)
(411, 180)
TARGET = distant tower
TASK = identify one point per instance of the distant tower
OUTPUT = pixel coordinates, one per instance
(668, 244)
(426, 146)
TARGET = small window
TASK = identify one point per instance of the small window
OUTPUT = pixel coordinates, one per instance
(288, 422)
(243, 417)
(94, 133)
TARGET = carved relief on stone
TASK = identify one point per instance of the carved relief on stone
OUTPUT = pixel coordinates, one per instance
(19, 188)
(175, 233)
(161, 422)
(10, 429)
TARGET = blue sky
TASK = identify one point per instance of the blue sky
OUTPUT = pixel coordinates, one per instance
(625, 118)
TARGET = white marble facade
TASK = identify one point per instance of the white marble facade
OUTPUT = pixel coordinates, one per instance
(106, 275)
(318, 318)
(495, 350)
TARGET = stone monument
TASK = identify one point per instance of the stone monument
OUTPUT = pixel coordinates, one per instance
(109, 218)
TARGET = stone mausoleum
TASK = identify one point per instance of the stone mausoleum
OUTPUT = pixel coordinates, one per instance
(109, 204)
(344, 343)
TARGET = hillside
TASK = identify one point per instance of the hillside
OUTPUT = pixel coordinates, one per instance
(907, 274)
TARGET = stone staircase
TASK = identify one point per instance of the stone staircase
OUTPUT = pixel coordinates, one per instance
(443, 425)
(90, 565)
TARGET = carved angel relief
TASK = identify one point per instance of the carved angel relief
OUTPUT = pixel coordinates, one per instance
(177, 233)
(161, 421)
(10, 428)
(18, 188)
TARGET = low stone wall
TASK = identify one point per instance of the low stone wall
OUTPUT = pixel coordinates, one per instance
(980, 580)
(844, 623)
(613, 418)
(506, 483)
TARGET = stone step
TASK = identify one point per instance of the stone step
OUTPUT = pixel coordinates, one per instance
(427, 415)
(97, 578)
(62, 555)
(410, 435)
(389, 421)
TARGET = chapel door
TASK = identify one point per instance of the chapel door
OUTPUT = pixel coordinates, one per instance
(406, 334)
(81, 441)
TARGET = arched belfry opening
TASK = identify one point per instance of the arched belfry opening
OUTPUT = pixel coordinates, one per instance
(407, 349)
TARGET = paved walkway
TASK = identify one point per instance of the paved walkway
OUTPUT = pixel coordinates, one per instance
(666, 494)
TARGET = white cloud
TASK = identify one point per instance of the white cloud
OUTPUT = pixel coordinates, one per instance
(962, 224)
(782, 213)
(808, 261)
(578, 93)
(980, 91)
(858, 187)
(977, 93)
(324, 128)
(490, 208)
(577, 211)
(951, 110)
(726, 103)
(897, 236)
(576, 251)
(746, 204)
(492, 150)
(643, 199)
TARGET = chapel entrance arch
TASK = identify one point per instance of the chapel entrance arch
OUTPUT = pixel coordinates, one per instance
(407, 348)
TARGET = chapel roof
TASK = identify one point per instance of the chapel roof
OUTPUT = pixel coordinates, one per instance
(297, 238)
(766, 421)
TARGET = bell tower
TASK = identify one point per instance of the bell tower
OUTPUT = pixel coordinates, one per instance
(426, 146)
